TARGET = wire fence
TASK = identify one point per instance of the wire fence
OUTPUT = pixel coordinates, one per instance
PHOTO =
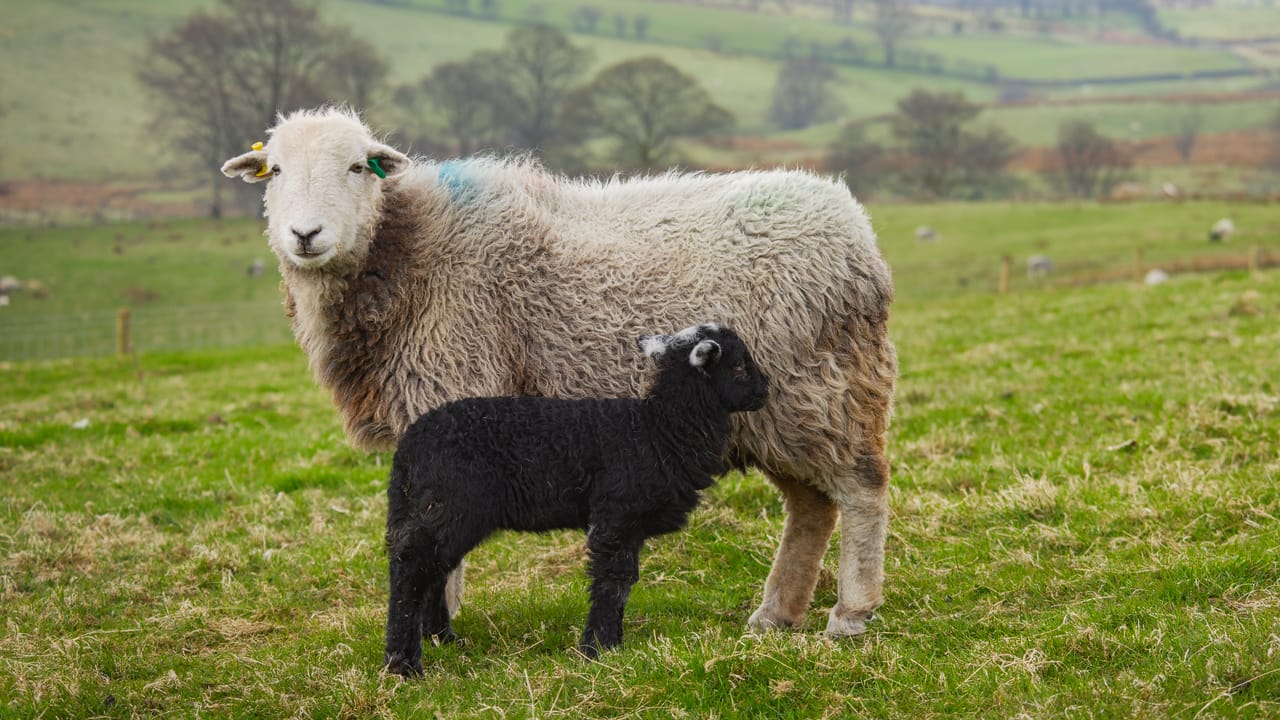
(97, 333)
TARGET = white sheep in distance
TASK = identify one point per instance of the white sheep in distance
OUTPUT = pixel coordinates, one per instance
(491, 277)
(1222, 230)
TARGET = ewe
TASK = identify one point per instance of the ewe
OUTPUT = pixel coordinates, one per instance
(493, 277)
(624, 470)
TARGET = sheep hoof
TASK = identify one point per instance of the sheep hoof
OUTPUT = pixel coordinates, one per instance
(844, 623)
(445, 637)
(589, 651)
(404, 667)
(762, 622)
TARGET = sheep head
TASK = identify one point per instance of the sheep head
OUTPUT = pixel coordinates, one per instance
(325, 176)
(719, 356)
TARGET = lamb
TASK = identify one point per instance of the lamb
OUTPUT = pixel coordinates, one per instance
(487, 276)
(622, 469)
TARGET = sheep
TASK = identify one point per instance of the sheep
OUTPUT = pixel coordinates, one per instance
(1222, 230)
(256, 268)
(493, 277)
(924, 233)
(622, 469)
(1039, 267)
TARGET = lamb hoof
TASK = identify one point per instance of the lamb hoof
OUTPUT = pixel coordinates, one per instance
(589, 651)
(843, 623)
(404, 667)
(445, 637)
(764, 621)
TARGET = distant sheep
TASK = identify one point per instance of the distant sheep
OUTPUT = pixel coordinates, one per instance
(256, 268)
(1039, 267)
(493, 277)
(1222, 230)
(924, 233)
(623, 469)
(9, 285)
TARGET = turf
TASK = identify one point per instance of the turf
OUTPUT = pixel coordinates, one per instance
(1084, 524)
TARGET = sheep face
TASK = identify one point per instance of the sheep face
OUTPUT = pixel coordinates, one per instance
(720, 357)
(323, 194)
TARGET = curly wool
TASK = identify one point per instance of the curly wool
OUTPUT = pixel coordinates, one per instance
(543, 280)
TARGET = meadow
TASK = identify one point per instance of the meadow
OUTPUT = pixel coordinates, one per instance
(1085, 516)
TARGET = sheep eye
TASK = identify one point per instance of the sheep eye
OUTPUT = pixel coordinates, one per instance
(275, 169)
(357, 168)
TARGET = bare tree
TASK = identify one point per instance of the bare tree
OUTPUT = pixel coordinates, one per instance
(801, 94)
(1185, 132)
(942, 153)
(457, 101)
(859, 161)
(219, 77)
(644, 105)
(893, 19)
(1091, 163)
(534, 72)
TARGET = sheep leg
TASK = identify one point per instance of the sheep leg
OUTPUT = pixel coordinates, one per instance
(454, 587)
(811, 516)
(615, 567)
(864, 513)
(409, 583)
(435, 620)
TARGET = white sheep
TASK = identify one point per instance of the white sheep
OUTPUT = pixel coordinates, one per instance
(1039, 267)
(446, 280)
(1222, 230)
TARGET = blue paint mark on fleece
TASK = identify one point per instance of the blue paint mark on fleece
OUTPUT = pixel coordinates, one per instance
(453, 176)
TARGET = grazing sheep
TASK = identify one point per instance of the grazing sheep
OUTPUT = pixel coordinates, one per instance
(1222, 230)
(924, 233)
(1039, 267)
(622, 469)
(493, 277)
(10, 284)
(1155, 276)
(256, 268)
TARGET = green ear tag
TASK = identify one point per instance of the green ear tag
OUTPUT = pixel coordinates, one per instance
(376, 168)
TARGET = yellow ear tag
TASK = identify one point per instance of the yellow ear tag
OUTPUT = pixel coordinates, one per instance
(265, 170)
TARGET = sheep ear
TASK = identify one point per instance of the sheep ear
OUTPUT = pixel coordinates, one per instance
(705, 354)
(653, 345)
(248, 166)
(392, 162)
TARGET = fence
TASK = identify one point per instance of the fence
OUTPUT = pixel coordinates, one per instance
(99, 332)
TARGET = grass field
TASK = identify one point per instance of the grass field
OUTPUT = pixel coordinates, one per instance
(62, 123)
(1084, 524)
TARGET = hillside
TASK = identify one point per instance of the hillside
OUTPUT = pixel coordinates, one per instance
(59, 122)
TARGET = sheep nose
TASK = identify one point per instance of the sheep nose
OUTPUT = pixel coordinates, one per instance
(306, 236)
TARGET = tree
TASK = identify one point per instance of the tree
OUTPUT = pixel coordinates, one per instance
(942, 154)
(892, 21)
(219, 77)
(1186, 130)
(644, 105)
(1091, 163)
(456, 100)
(801, 95)
(859, 161)
(533, 74)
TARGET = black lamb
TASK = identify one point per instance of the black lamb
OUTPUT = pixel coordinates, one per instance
(623, 469)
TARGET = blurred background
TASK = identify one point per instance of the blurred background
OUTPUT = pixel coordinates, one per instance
(996, 142)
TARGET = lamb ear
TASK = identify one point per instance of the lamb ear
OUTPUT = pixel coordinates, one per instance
(393, 162)
(705, 354)
(653, 345)
(247, 166)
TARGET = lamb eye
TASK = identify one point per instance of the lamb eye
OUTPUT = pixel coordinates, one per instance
(275, 169)
(357, 168)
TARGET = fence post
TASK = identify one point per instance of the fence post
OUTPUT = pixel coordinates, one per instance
(123, 345)
(1137, 266)
(1006, 268)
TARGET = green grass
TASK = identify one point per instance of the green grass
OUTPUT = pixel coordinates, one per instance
(1223, 22)
(1084, 524)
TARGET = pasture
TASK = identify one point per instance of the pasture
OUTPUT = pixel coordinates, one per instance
(1085, 514)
